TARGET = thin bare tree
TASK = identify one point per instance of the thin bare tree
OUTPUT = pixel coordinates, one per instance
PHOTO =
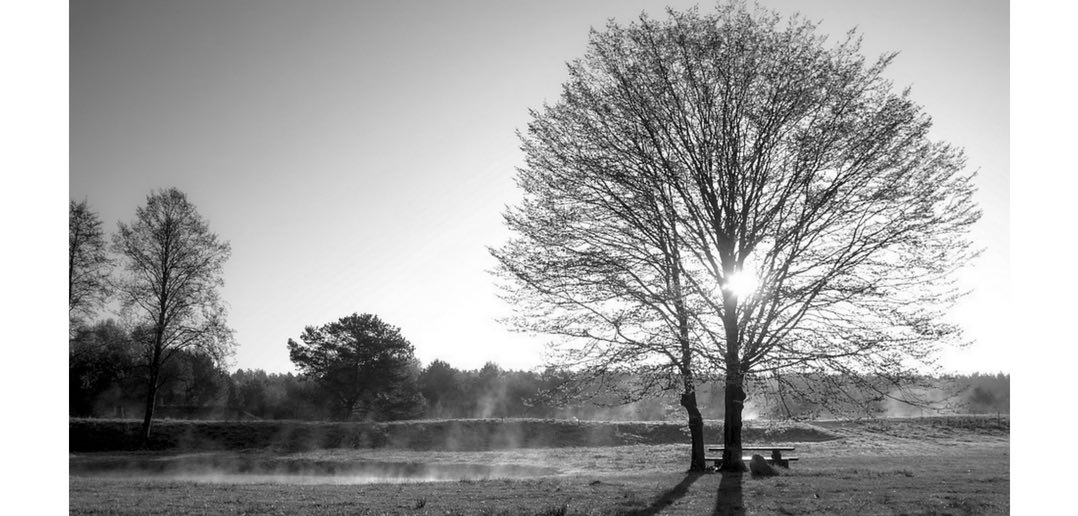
(819, 227)
(173, 272)
(89, 264)
(596, 260)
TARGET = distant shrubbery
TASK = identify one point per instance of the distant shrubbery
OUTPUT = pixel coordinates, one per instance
(987, 393)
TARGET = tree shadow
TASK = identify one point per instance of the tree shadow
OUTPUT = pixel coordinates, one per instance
(670, 496)
(729, 501)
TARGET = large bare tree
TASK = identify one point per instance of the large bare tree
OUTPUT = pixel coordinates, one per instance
(89, 264)
(818, 226)
(173, 272)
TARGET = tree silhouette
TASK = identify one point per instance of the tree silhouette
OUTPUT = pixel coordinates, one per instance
(366, 364)
(89, 264)
(441, 385)
(596, 261)
(173, 270)
(730, 185)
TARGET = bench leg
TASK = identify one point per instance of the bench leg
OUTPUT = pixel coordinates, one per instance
(776, 458)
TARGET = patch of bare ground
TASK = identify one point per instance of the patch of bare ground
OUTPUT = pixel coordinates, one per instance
(904, 467)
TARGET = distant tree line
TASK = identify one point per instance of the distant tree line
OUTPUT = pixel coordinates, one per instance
(104, 382)
(988, 393)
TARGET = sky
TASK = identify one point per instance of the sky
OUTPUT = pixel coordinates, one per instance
(358, 155)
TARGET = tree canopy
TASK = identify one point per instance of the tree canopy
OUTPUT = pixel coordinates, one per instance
(89, 264)
(366, 364)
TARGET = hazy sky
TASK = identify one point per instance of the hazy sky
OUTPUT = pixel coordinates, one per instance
(358, 155)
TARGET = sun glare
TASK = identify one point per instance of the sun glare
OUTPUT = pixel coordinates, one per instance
(742, 284)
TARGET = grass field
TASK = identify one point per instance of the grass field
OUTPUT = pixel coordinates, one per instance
(917, 466)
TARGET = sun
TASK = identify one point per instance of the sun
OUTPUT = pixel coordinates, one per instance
(741, 284)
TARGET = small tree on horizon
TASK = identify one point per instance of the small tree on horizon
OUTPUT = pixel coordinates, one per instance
(172, 266)
(816, 225)
(364, 363)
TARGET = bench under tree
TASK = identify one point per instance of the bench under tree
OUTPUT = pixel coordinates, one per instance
(775, 457)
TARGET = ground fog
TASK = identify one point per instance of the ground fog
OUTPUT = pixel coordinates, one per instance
(913, 466)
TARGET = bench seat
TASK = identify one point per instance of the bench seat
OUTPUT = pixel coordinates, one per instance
(783, 462)
(768, 459)
(753, 448)
(773, 457)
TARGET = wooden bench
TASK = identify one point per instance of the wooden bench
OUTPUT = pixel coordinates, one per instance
(776, 457)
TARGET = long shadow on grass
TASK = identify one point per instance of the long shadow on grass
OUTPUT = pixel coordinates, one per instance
(729, 501)
(670, 496)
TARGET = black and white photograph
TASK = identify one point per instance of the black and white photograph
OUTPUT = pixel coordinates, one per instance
(481, 257)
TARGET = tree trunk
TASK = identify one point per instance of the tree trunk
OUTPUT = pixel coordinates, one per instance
(151, 402)
(155, 372)
(735, 387)
(731, 426)
(696, 431)
(348, 408)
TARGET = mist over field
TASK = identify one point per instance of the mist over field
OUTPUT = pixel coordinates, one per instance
(595, 468)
